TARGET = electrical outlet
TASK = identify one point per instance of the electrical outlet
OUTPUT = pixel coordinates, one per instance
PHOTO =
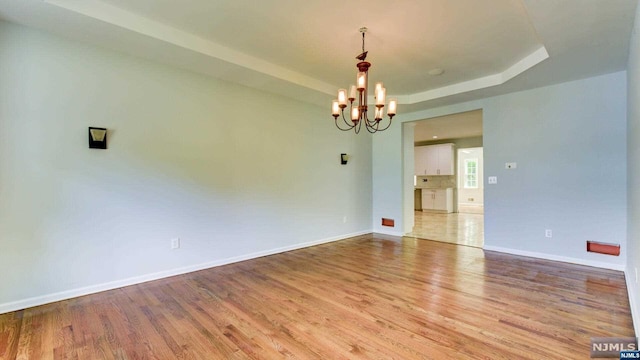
(492, 180)
(344, 219)
(175, 243)
(636, 275)
(548, 233)
(510, 165)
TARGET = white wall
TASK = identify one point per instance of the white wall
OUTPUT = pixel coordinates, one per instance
(633, 172)
(232, 171)
(569, 141)
(408, 130)
(388, 198)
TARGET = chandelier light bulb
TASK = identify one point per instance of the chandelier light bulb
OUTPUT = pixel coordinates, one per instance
(353, 92)
(380, 97)
(393, 104)
(342, 97)
(379, 87)
(335, 108)
(362, 80)
(378, 114)
(355, 114)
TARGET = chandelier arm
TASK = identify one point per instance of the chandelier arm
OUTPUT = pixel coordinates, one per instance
(338, 126)
(370, 122)
(349, 127)
(372, 128)
(374, 124)
(388, 125)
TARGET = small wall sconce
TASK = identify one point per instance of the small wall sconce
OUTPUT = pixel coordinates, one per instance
(344, 158)
(97, 138)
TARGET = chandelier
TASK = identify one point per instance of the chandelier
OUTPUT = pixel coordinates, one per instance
(357, 99)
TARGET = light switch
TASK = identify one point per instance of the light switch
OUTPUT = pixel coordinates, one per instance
(493, 180)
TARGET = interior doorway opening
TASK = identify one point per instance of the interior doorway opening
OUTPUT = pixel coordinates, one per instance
(447, 197)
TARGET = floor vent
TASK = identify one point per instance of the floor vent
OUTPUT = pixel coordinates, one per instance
(603, 248)
(388, 222)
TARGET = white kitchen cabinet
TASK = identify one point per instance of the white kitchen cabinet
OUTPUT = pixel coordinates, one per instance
(445, 159)
(420, 157)
(434, 160)
(440, 200)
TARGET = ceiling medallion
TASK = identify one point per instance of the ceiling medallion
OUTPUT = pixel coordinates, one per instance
(358, 109)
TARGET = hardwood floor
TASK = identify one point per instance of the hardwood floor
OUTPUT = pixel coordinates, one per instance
(361, 298)
(456, 228)
(471, 209)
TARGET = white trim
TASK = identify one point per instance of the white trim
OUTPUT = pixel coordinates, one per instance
(598, 264)
(155, 29)
(392, 233)
(92, 289)
(378, 235)
(632, 300)
(518, 68)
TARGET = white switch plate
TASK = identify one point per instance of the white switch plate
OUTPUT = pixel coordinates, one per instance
(493, 180)
(510, 165)
(175, 243)
(548, 233)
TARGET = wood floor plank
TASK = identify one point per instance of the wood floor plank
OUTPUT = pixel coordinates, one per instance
(366, 297)
(10, 327)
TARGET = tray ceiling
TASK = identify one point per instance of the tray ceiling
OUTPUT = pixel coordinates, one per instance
(306, 50)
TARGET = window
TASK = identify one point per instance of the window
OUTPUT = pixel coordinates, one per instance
(471, 173)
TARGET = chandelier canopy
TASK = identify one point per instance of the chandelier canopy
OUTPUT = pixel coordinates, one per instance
(357, 99)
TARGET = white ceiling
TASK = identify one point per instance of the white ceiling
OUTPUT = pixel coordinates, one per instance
(306, 50)
(454, 126)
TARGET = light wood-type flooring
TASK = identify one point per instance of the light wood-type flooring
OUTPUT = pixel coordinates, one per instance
(360, 298)
(456, 228)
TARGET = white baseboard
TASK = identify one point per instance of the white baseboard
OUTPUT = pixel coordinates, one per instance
(632, 300)
(68, 294)
(598, 264)
(379, 235)
(391, 233)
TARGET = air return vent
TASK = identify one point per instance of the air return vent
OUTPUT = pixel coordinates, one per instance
(388, 222)
(603, 248)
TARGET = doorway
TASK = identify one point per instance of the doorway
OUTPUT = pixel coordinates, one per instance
(463, 222)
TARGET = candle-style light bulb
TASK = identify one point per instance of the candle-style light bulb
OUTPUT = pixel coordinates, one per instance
(379, 87)
(380, 96)
(342, 97)
(379, 113)
(362, 81)
(353, 91)
(335, 107)
(355, 115)
(393, 104)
